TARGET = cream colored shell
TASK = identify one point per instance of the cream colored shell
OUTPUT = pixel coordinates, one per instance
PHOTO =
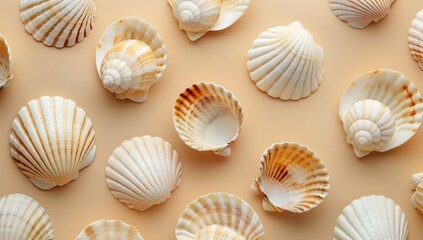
(286, 63)
(21, 217)
(216, 232)
(415, 39)
(109, 230)
(292, 178)
(58, 23)
(52, 140)
(143, 172)
(208, 117)
(5, 63)
(360, 13)
(370, 218)
(221, 210)
(417, 187)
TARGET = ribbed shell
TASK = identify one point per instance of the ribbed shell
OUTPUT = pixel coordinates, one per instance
(417, 187)
(222, 209)
(58, 23)
(52, 140)
(292, 178)
(415, 39)
(129, 69)
(201, 106)
(394, 90)
(21, 217)
(109, 230)
(370, 218)
(216, 232)
(5, 63)
(143, 172)
(360, 13)
(286, 63)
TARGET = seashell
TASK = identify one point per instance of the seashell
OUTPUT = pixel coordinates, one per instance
(208, 117)
(197, 17)
(131, 56)
(372, 217)
(109, 230)
(395, 98)
(417, 187)
(21, 217)
(360, 13)
(58, 23)
(415, 39)
(219, 211)
(292, 178)
(52, 140)
(143, 172)
(286, 63)
(216, 232)
(5, 63)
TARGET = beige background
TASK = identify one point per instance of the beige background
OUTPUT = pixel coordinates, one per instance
(221, 58)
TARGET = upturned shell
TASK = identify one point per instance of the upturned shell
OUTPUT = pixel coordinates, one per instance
(370, 218)
(21, 217)
(286, 63)
(109, 230)
(52, 140)
(216, 232)
(417, 187)
(58, 23)
(292, 178)
(197, 17)
(219, 210)
(397, 93)
(5, 63)
(208, 117)
(415, 39)
(143, 172)
(360, 13)
(131, 56)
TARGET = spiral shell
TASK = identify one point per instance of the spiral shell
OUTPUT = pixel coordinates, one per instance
(360, 13)
(52, 140)
(21, 217)
(5, 63)
(58, 23)
(286, 63)
(417, 187)
(415, 39)
(109, 230)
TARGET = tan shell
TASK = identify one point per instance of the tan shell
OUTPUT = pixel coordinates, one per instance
(417, 187)
(415, 39)
(109, 230)
(5, 63)
(216, 232)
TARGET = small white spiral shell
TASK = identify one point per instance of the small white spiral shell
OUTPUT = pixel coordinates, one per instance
(197, 15)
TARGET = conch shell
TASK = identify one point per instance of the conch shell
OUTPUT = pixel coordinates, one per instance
(5, 63)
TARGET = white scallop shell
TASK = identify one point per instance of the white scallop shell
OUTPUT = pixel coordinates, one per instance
(286, 63)
(52, 140)
(143, 172)
(415, 39)
(216, 232)
(292, 178)
(360, 13)
(58, 23)
(21, 217)
(417, 187)
(5, 63)
(370, 218)
(109, 230)
(208, 117)
(395, 91)
(221, 209)
(197, 17)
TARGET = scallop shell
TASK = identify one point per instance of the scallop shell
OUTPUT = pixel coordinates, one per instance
(109, 230)
(286, 63)
(143, 172)
(197, 17)
(52, 140)
(370, 218)
(130, 68)
(5, 63)
(415, 39)
(208, 117)
(395, 91)
(292, 178)
(216, 232)
(21, 217)
(219, 210)
(417, 187)
(360, 13)
(58, 23)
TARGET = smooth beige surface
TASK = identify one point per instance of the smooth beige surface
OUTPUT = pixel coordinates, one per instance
(221, 58)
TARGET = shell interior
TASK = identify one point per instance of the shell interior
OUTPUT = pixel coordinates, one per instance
(109, 230)
(5, 63)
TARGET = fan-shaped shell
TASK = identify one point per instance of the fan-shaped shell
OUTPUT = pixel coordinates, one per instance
(143, 172)
(52, 140)
(370, 218)
(223, 210)
(216, 232)
(286, 63)
(208, 117)
(360, 13)
(415, 39)
(5, 63)
(417, 187)
(21, 217)
(109, 230)
(292, 178)
(394, 90)
(197, 17)
(58, 23)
